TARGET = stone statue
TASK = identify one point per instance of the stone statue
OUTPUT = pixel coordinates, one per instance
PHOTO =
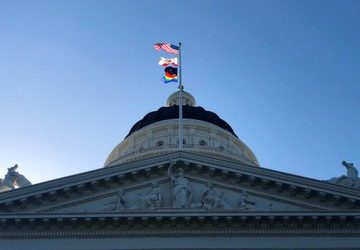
(150, 200)
(220, 202)
(117, 205)
(351, 178)
(208, 196)
(120, 202)
(351, 170)
(154, 197)
(13, 180)
(212, 200)
(6, 184)
(244, 202)
(182, 193)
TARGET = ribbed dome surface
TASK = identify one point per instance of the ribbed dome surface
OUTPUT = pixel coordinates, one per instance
(189, 112)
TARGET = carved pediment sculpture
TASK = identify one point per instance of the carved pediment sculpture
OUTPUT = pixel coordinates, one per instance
(245, 203)
(181, 191)
(150, 200)
(183, 185)
(191, 194)
(118, 204)
(211, 199)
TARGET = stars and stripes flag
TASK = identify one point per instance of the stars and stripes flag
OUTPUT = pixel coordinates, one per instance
(170, 48)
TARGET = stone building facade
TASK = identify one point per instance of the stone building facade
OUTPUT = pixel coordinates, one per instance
(213, 194)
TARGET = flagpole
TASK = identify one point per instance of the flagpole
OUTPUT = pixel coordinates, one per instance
(180, 103)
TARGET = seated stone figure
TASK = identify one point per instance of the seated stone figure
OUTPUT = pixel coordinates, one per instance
(244, 202)
(212, 200)
(149, 200)
(119, 205)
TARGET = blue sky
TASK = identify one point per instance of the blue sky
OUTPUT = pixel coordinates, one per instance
(76, 75)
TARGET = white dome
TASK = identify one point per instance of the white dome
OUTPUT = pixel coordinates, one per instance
(203, 132)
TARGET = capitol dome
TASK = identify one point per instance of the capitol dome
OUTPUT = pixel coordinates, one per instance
(204, 132)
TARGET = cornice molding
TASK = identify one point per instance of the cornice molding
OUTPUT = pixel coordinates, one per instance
(170, 224)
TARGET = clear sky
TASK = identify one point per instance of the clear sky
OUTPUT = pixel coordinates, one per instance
(76, 75)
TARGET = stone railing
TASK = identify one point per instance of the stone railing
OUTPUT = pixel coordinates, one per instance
(158, 150)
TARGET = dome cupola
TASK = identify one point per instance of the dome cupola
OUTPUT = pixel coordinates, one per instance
(187, 99)
(204, 132)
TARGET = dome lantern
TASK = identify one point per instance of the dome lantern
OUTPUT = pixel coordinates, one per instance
(187, 99)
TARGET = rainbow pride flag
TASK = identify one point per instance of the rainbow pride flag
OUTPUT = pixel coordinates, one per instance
(170, 75)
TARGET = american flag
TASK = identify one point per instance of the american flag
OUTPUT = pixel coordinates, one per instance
(170, 48)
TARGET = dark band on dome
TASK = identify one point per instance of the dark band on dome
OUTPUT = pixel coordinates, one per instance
(189, 112)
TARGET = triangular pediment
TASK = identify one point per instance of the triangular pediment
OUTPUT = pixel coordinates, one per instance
(162, 195)
(155, 184)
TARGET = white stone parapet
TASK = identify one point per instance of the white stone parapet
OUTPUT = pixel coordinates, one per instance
(199, 136)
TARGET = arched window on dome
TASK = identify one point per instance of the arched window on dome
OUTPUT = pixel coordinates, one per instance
(159, 144)
(202, 143)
